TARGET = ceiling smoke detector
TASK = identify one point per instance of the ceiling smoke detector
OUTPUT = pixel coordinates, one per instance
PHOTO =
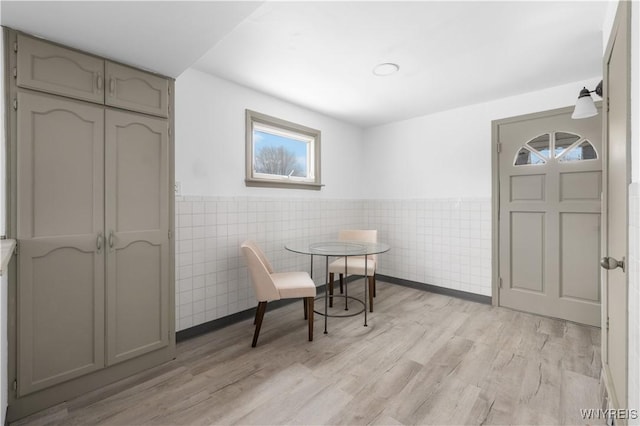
(386, 69)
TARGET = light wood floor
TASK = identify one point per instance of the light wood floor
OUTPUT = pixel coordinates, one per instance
(423, 359)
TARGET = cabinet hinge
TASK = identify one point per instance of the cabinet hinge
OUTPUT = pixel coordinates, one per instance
(499, 146)
(500, 282)
(15, 46)
(608, 104)
(607, 323)
(15, 72)
(15, 103)
(17, 249)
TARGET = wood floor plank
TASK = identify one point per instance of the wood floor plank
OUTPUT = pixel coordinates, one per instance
(481, 408)
(359, 411)
(451, 405)
(411, 405)
(319, 409)
(423, 359)
(572, 398)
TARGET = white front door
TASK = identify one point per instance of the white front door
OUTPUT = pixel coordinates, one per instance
(615, 247)
(550, 174)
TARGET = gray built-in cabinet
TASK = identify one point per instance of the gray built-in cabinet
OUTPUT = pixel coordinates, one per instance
(91, 200)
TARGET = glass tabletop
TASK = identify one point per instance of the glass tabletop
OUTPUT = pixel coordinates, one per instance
(336, 248)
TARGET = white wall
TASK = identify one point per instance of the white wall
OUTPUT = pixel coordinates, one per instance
(448, 154)
(607, 24)
(210, 140)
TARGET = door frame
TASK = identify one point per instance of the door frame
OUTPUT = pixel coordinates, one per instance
(622, 12)
(495, 188)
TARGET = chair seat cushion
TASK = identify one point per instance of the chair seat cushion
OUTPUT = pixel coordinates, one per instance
(355, 265)
(294, 284)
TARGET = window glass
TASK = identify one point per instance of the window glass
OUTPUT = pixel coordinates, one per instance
(526, 156)
(583, 151)
(279, 154)
(563, 141)
(541, 144)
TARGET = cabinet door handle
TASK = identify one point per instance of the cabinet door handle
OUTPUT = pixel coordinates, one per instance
(111, 239)
(99, 242)
(99, 81)
(112, 85)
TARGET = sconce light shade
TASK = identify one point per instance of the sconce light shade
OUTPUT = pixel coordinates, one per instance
(585, 107)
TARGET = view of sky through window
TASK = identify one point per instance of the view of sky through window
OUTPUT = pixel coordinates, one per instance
(276, 154)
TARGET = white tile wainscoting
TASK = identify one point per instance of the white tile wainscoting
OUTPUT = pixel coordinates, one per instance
(443, 242)
(211, 278)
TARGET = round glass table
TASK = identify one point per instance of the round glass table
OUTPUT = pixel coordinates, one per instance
(344, 249)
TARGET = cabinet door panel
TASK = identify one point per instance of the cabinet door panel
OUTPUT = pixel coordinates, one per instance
(136, 90)
(139, 157)
(54, 69)
(138, 300)
(60, 268)
(137, 222)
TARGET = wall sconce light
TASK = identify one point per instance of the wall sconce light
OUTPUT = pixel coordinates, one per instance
(585, 107)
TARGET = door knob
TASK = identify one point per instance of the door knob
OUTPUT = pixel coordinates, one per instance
(611, 263)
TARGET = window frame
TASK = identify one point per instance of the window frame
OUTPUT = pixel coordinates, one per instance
(253, 179)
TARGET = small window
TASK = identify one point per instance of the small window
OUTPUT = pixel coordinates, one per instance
(567, 147)
(281, 154)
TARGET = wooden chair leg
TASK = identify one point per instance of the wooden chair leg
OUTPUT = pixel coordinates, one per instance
(371, 291)
(310, 302)
(330, 284)
(255, 319)
(304, 304)
(262, 307)
(341, 283)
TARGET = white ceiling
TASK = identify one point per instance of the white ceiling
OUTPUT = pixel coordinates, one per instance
(162, 36)
(321, 54)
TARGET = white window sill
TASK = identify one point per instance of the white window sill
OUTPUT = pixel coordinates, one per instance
(264, 183)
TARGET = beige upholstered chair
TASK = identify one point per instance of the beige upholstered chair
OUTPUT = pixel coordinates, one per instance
(355, 264)
(270, 285)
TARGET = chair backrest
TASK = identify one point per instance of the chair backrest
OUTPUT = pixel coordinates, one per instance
(368, 235)
(260, 270)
